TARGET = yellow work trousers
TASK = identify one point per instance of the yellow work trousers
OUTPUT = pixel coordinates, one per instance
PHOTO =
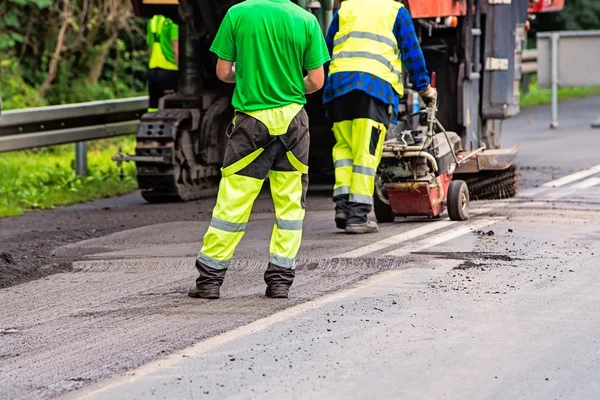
(356, 155)
(252, 155)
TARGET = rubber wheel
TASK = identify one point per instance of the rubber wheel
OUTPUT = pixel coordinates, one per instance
(383, 212)
(458, 201)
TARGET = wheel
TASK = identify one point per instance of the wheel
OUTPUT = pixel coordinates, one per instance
(381, 206)
(458, 201)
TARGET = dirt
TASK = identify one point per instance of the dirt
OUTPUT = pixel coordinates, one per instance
(469, 256)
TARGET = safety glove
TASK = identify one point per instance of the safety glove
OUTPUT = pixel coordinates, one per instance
(429, 96)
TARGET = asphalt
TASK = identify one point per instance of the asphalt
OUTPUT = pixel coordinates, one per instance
(103, 285)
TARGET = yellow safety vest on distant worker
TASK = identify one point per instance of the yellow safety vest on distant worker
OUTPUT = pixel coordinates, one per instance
(162, 48)
(365, 41)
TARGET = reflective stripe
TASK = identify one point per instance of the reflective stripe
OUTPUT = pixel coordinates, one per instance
(343, 163)
(361, 198)
(359, 169)
(213, 262)
(366, 54)
(367, 35)
(282, 262)
(152, 109)
(297, 164)
(227, 226)
(289, 224)
(241, 164)
(341, 190)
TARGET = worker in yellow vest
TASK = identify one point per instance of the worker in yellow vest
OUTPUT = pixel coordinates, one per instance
(163, 54)
(368, 41)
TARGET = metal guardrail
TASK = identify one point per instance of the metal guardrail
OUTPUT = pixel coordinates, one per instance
(529, 62)
(71, 123)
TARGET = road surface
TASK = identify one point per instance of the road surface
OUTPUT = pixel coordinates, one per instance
(501, 306)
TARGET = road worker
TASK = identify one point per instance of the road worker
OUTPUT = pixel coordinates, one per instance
(163, 58)
(262, 46)
(368, 42)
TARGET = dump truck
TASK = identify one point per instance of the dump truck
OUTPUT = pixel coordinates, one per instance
(474, 46)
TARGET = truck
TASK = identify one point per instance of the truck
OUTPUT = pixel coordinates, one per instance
(475, 48)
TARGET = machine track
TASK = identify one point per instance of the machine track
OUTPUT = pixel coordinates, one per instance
(491, 185)
(167, 168)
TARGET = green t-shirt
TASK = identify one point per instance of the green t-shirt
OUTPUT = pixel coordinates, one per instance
(161, 33)
(270, 41)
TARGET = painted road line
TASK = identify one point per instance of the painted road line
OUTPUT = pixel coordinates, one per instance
(588, 183)
(412, 234)
(441, 238)
(399, 238)
(573, 177)
(208, 344)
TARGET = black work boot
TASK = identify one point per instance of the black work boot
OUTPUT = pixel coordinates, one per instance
(341, 210)
(208, 283)
(340, 220)
(278, 281)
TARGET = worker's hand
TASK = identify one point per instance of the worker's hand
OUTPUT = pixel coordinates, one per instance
(429, 96)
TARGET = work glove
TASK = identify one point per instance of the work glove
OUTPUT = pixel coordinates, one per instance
(429, 96)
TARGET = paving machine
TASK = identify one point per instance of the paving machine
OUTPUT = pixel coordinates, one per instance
(475, 47)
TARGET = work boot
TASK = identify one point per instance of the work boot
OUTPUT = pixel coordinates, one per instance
(208, 283)
(367, 227)
(340, 220)
(278, 281)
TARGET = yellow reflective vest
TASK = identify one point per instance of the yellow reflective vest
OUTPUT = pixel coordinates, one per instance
(365, 41)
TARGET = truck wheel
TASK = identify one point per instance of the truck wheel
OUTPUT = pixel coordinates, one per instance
(458, 201)
(383, 211)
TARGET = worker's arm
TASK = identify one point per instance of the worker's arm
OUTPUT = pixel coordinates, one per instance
(334, 26)
(331, 32)
(315, 80)
(226, 70)
(175, 44)
(315, 56)
(225, 49)
(410, 48)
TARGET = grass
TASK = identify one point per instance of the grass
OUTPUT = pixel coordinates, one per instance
(540, 96)
(45, 178)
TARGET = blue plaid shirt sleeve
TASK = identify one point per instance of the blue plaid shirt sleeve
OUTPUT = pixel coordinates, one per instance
(412, 55)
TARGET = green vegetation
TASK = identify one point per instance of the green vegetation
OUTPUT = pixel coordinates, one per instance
(69, 51)
(45, 178)
(539, 96)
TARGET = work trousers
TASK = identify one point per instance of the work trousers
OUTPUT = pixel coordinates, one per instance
(160, 81)
(360, 124)
(252, 155)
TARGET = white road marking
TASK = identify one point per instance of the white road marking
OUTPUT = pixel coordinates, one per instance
(412, 234)
(573, 177)
(213, 342)
(441, 238)
(399, 238)
(588, 183)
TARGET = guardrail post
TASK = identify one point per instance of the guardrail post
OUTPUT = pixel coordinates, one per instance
(525, 83)
(554, 56)
(81, 158)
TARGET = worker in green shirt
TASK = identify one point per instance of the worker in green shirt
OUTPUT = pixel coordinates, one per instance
(163, 54)
(263, 46)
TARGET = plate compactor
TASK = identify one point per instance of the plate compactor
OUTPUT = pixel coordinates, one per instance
(415, 174)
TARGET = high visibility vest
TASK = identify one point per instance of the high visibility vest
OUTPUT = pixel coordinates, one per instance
(162, 48)
(365, 41)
